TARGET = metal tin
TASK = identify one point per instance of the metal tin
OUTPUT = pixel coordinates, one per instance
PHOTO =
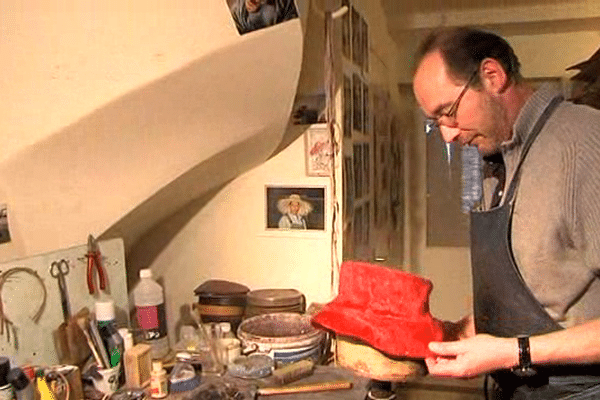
(268, 301)
(286, 337)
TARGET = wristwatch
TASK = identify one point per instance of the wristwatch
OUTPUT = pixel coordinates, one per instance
(524, 368)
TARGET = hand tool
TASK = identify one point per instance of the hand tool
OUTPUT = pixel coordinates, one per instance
(94, 262)
(304, 388)
(58, 270)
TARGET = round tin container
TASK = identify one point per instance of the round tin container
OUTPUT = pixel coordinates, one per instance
(286, 337)
(221, 301)
(270, 301)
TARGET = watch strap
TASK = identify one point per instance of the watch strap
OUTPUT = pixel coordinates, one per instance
(524, 368)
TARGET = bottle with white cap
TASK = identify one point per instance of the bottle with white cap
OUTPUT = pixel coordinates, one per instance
(150, 312)
(112, 340)
(158, 381)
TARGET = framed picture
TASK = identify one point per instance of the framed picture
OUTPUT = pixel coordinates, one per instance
(357, 98)
(365, 45)
(251, 16)
(356, 36)
(346, 32)
(366, 109)
(366, 168)
(358, 170)
(295, 208)
(319, 151)
(4, 232)
(348, 185)
(347, 106)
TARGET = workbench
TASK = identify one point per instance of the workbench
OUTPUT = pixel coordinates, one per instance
(423, 388)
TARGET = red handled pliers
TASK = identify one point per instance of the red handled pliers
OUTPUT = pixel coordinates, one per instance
(94, 259)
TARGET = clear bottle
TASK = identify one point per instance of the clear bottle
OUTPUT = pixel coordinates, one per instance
(112, 340)
(150, 312)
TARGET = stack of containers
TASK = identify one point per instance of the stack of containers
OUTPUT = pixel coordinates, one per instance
(221, 301)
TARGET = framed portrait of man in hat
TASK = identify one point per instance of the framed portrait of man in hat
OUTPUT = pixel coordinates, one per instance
(295, 208)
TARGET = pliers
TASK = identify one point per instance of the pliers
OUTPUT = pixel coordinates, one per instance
(94, 260)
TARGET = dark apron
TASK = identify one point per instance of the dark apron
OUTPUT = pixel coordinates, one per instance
(505, 307)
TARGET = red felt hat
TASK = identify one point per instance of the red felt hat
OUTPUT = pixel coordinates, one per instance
(383, 307)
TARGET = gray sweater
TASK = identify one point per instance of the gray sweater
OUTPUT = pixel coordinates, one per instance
(556, 221)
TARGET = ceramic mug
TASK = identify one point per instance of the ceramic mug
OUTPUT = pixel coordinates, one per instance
(109, 382)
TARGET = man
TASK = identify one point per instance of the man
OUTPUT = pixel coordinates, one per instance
(250, 15)
(536, 249)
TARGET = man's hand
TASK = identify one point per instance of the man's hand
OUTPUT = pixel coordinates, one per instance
(473, 356)
(461, 329)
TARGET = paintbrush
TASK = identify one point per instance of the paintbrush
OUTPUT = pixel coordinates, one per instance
(83, 322)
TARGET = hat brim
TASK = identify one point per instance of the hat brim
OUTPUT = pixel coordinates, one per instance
(385, 308)
(391, 335)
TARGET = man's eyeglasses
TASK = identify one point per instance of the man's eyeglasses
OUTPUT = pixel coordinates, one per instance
(432, 124)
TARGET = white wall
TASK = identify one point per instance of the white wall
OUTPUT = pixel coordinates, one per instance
(226, 239)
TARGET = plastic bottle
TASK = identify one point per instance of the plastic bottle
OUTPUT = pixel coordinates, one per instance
(149, 302)
(158, 381)
(112, 340)
(23, 387)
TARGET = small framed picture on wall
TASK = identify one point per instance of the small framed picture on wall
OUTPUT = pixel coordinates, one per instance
(319, 151)
(295, 208)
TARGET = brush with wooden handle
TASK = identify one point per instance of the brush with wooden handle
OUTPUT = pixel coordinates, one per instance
(305, 388)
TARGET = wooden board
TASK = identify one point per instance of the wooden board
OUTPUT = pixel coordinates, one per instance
(22, 296)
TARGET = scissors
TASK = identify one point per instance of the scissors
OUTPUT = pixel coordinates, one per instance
(94, 262)
(58, 270)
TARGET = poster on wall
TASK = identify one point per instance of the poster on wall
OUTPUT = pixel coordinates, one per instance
(251, 15)
(295, 208)
(357, 110)
(365, 45)
(356, 37)
(358, 170)
(348, 185)
(366, 168)
(366, 110)
(319, 151)
(346, 31)
(347, 107)
(4, 232)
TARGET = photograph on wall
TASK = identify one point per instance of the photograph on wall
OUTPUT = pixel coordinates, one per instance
(358, 226)
(251, 15)
(319, 151)
(366, 109)
(346, 32)
(309, 109)
(347, 106)
(357, 112)
(366, 152)
(365, 45)
(367, 223)
(4, 232)
(348, 185)
(297, 208)
(358, 171)
(356, 37)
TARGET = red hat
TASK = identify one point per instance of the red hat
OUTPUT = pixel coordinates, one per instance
(384, 307)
